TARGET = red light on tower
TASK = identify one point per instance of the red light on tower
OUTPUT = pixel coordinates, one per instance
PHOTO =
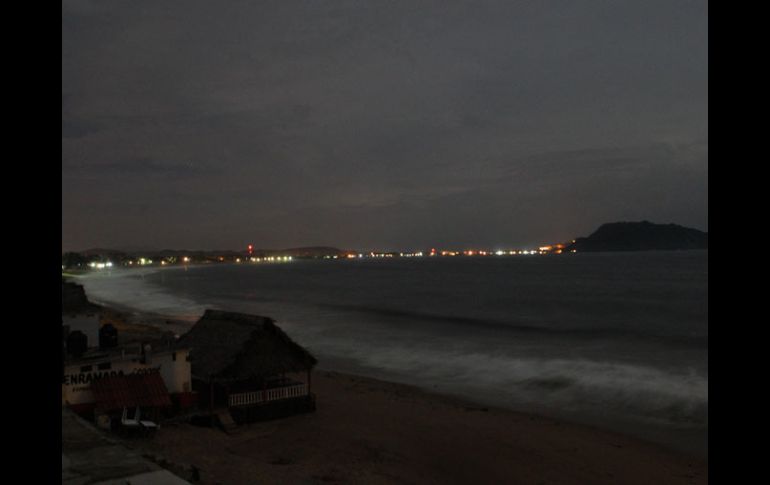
(251, 249)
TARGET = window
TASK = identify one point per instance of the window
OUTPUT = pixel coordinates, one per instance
(104, 366)
(86, 368)
(173, 356)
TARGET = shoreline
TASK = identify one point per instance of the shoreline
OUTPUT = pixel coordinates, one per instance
(681, 439)
(370, 421)
(372, 431)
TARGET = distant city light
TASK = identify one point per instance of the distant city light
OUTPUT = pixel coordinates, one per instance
(548, 249)
(100, 265)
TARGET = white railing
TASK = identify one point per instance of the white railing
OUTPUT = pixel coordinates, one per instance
(256, 397)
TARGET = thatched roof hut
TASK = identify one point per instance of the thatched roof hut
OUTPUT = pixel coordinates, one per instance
(228, 346)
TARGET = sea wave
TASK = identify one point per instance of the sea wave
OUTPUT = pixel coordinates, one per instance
(130, 288)
(582, 386)
(690, 341)
(455, 356)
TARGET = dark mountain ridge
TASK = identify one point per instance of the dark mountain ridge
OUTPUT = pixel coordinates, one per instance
(300, 252)
(640, 236)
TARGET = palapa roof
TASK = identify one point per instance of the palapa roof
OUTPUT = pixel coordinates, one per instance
(235, 346)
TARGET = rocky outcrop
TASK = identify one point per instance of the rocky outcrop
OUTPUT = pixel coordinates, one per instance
(73, 298)
(641, 236)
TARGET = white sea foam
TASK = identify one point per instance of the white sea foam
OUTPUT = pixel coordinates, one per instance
(131, 289)
(582, 374)
(575, 385)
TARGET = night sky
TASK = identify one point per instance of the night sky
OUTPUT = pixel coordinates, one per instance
(379, 124)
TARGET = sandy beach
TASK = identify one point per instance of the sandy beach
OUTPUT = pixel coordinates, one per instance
(370, 431)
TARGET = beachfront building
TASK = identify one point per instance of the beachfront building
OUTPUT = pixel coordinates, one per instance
(246, 368)
(135, 376)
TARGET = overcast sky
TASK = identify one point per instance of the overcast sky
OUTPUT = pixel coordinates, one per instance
(379, 124)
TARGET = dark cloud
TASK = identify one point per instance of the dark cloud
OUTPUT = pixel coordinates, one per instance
(367, 124)
(142, 167)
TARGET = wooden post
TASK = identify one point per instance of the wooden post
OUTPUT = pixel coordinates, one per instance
(309, 381)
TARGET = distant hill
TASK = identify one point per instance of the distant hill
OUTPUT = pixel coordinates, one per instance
(314, 252)
(641, 236)
(102, 252)
(302, 252)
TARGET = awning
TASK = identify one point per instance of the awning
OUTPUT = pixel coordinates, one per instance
(132, 390)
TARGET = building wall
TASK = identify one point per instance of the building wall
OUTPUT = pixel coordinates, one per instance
(76, 383)
(175, 370)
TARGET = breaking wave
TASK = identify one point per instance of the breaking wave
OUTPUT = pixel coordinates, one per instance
(578, 386)
(130, 288)
(576, 363)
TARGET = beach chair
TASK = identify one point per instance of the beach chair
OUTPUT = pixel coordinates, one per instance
(148, 425)
(130, 423)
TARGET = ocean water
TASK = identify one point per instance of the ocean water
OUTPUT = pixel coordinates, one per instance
(618, 340)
